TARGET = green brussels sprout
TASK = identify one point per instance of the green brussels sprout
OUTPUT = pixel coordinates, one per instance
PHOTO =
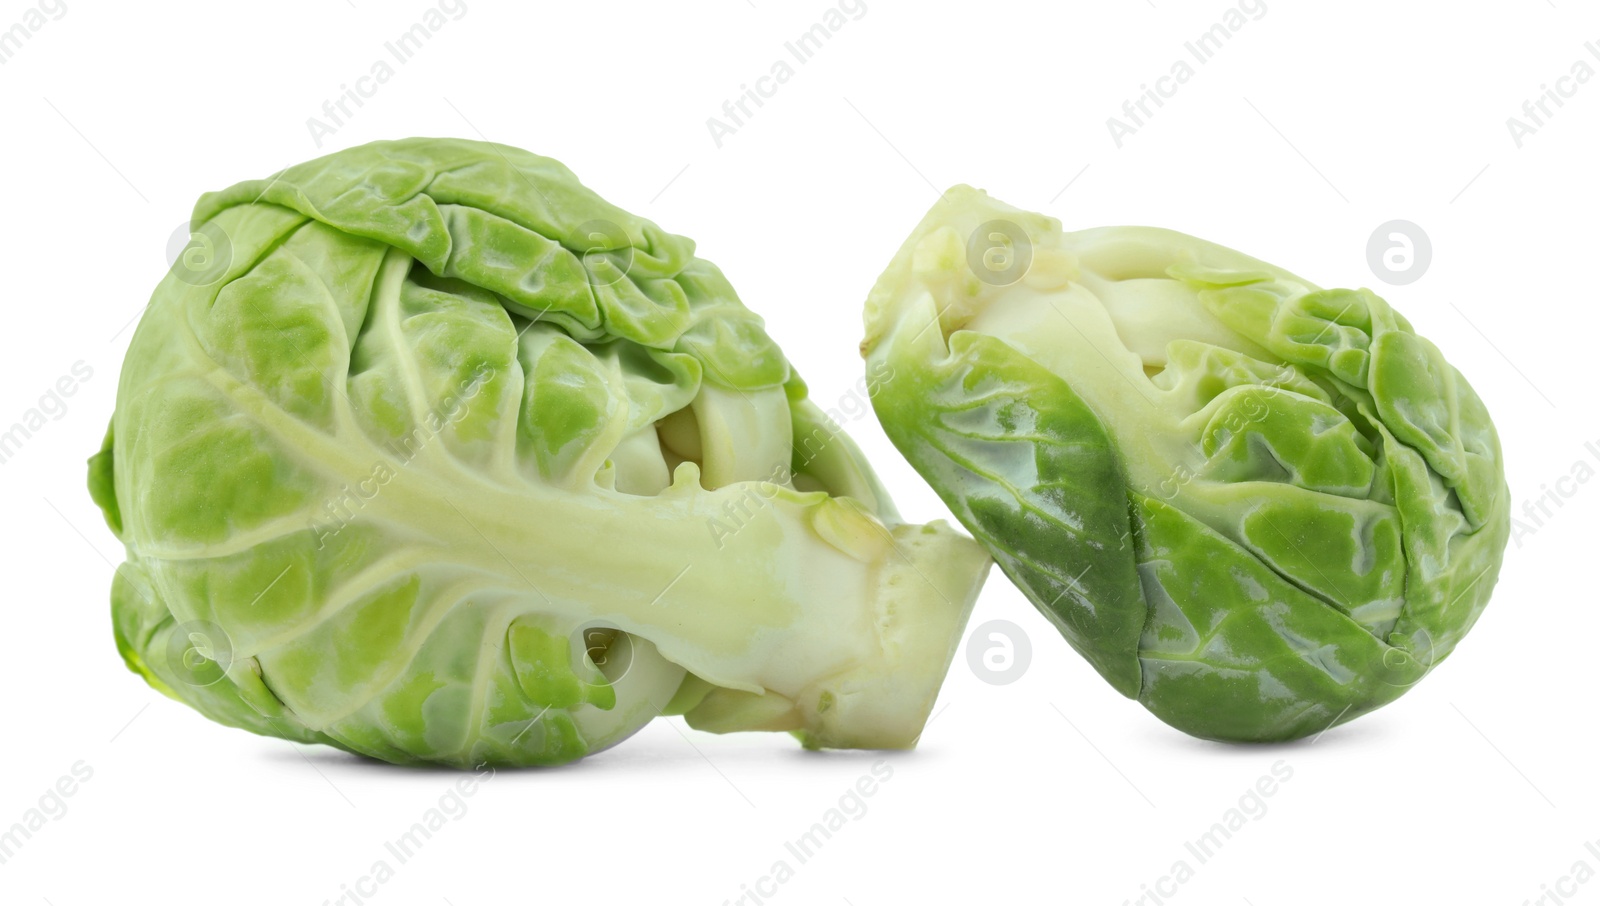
(1259, 507)
(424, 451)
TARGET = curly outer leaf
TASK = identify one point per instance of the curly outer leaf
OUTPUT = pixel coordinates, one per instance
(522, 226)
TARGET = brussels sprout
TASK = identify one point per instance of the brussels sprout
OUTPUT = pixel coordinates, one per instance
(1259, 507)
(433, 455)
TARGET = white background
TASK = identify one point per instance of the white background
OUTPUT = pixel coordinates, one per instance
(1313, 125)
